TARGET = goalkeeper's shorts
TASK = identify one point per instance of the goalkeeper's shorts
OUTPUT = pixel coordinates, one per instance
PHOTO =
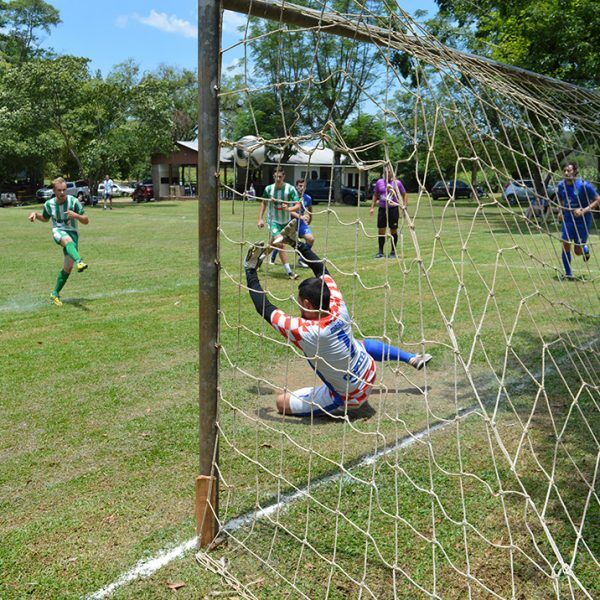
(320, 400)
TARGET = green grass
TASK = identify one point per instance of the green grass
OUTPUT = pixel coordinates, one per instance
(98, 427)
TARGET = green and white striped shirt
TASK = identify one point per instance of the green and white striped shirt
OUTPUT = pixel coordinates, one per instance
(57, 212)
(277, 202)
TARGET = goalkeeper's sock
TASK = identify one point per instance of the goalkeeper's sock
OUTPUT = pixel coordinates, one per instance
(566, 260)
(60, 282)
(381, 240)
(380, 351)
(287, 268)
(72, 251)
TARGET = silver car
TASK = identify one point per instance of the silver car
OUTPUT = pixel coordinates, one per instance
(522, 191)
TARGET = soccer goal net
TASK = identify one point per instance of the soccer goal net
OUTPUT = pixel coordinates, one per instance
(436, 209)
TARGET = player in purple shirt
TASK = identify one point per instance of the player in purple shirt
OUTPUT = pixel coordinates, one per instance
(578, 198)
(390, 194)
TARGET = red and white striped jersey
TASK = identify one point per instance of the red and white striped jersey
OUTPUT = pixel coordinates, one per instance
(329, 345)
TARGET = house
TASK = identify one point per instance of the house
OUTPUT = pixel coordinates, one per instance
(174, 175)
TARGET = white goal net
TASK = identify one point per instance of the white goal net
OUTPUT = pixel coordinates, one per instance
(476, 476)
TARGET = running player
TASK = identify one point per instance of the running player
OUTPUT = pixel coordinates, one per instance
(345, 365)
(578, 198)
(66, 212)
(279, 200)
(304, 216)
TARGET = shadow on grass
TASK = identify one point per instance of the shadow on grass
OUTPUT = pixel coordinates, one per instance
(80, 303)
(364, 412)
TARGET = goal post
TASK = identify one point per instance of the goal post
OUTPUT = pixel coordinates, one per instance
(207, 483)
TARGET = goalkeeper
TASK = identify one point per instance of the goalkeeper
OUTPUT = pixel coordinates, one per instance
(324, 334)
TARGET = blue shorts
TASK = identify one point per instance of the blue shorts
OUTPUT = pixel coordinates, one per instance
(576, 229)
(303, 228)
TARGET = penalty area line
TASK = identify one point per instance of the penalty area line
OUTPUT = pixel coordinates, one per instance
(146, 568)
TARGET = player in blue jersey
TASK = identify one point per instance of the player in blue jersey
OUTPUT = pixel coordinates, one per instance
(578, 198)
(65, 212)
(304, 216)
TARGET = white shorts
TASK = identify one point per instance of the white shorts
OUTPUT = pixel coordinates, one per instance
(317, 400)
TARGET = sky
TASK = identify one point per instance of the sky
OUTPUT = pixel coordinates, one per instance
(151, 32)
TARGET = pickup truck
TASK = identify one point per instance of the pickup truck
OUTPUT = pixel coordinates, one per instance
(79, 189)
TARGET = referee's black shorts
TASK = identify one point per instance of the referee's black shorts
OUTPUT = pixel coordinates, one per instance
(388, 217)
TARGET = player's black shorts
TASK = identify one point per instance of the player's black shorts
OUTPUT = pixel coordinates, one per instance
(388, 217)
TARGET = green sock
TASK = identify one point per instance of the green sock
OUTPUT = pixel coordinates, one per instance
(60, 282)
(71, 249)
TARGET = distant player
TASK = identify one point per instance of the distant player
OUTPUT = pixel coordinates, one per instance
(66, 212)
(578, 198)
(108, 191)
(390, 194)
(345, 365)
(279, 200)
(304, 216)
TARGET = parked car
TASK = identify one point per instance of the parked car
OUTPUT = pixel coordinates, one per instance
(44, 193)
(522, 191)
(454, 188)
(8, 199)
(144, 192)
(319, 190)
(79, 189)
(119, 189)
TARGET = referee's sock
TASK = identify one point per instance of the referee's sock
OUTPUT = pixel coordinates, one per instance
(566, 260)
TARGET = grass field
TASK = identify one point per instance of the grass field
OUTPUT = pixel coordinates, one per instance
(98, 428)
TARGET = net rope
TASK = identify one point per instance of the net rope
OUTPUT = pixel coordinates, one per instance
(478, 476)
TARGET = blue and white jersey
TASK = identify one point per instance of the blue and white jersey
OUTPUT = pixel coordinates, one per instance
(579, 194)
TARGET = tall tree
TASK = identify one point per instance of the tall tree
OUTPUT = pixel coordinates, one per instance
(22, 21)
(559, 38)
(318, 77)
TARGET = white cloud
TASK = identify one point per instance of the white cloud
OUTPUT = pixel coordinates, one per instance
(168, 23)
(233, 20)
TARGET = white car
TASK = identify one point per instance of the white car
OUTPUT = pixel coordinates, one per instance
(119, 189)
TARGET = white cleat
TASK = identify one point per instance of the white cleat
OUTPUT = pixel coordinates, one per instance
(420, 360)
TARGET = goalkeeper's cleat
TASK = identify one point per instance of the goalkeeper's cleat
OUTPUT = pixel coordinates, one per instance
(586, 256)
(290, 233)
(420, 360)
(256, 254)
(293, 276)
(81, 266)
(55, 299)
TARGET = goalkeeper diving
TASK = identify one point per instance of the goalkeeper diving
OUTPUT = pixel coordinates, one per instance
(323, 332)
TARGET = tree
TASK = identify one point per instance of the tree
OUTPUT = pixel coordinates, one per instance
(316, 79)
(366, 136)
(557, 38)
(21, 20)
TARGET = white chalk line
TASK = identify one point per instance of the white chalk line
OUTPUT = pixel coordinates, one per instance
(31, 305)
(146, 568)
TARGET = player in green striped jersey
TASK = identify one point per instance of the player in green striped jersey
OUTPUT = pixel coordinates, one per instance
(65, 212)
(279, 200)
